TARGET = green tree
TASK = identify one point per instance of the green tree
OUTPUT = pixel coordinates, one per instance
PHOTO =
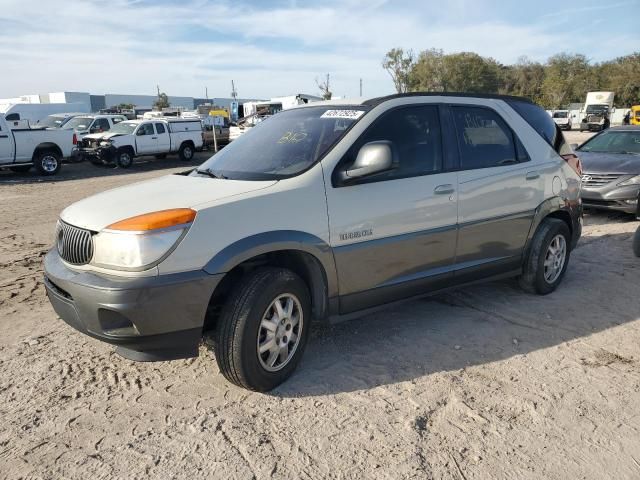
(325, 88)
(523, 79)
(161, 102)
(127, 106)
(399, 65)
(622, 76)
(567, 79)
(457, 72)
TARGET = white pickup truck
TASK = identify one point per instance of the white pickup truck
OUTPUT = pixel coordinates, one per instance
(22, 147)
(134, 138)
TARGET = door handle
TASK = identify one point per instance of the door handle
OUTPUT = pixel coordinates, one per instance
(445, 189)
(532, 175)
(154, 138)
(4, 136)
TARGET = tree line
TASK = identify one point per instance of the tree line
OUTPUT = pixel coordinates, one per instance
(563, 79)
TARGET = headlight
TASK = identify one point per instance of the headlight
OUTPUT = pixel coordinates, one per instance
(140, 242)
(631, 181)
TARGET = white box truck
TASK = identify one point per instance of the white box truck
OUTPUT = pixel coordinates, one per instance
(597, 111)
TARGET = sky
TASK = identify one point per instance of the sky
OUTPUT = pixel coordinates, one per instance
(273, 48)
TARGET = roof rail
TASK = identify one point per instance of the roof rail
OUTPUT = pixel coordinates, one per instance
(379, 100)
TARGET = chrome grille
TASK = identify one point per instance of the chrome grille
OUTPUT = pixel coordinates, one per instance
(598, 179)
(74, 244)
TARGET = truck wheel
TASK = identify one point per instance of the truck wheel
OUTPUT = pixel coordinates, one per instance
(263, 329)
(548, 257)
(186, 152)
(21, 168)
(124, 159)
(636, 243)
(48, 162)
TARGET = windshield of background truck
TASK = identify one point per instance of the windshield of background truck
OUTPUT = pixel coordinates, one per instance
(52, 121)
(78, 123)
(614, 142)
(285, 144)
(597, 108)
(123, 127)
(560, 114)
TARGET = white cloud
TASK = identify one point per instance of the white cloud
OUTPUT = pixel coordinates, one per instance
(125, 46)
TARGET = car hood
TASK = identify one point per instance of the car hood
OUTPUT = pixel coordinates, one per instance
(625, 163)
(171, 191)
(104, 135)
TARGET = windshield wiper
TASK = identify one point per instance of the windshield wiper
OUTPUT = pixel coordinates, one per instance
(211, 174)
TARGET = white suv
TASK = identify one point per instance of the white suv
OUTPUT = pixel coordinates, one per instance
(317, 213)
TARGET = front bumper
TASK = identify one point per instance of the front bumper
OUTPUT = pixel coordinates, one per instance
(621, 199)
(148, 318)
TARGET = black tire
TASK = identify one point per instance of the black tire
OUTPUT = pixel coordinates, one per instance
(21, 168)
(186, 152)
(533, 279)
(238, 329)
(48, 162)
(636, 243)
(124, 158)
(161, 156)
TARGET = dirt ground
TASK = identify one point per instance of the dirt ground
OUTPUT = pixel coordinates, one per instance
(486, 382)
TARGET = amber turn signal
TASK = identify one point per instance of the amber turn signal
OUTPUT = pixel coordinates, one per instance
(155, 220)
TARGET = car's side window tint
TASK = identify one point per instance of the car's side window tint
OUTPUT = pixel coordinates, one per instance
(484, 139)
(415, 134)
(159, 128)
(147, 129)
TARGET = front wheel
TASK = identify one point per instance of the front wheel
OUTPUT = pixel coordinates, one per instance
(548, 257)
(48, 162)
(186, 152)
(263, 329)
(636, 243)
(124, 159)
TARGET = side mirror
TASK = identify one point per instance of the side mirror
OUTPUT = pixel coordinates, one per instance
(372, 158)
(574, 146)
(140, 132)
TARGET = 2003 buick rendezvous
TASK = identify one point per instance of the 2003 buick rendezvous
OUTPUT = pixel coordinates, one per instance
(317, 213)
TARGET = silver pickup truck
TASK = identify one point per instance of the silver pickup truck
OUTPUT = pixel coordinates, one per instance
(22, 147)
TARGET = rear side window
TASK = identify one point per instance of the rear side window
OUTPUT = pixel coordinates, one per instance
(542, 123)
(415, 134)
(484, 139)
(160, 128)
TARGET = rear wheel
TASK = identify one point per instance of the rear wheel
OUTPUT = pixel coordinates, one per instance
(21, 168)
(263, 329)
(548, 257)
(124, 158)
(186, 152)
(48, 162)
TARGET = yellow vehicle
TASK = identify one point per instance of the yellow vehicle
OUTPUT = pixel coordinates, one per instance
(635, 115)
(219, 113)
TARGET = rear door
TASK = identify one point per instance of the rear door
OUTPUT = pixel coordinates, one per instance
(146, 139)
(393, 234)
(164, 142)
(6, 144)
(499, 191)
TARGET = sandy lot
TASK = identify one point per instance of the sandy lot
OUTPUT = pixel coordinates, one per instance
(487, 382)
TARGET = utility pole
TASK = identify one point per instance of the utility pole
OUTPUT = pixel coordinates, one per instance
(361, 87)
(234, 94)
(206, 93)
(158, 88)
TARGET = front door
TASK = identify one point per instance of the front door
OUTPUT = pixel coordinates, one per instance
(499, 191)
(146, 139)
(393, 234)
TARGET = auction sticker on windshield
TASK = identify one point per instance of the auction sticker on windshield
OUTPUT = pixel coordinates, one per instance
(350, 114)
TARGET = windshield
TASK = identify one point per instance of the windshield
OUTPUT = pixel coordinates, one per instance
(597, 108)
(560, 114)
(285, 144)
(78, 123)
(52, 121)
(123, 127)
(614, 142)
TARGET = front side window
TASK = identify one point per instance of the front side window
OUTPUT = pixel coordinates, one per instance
(415, 135)
(484, 139)
(101, 125)
(146, 129)
(285, 144)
